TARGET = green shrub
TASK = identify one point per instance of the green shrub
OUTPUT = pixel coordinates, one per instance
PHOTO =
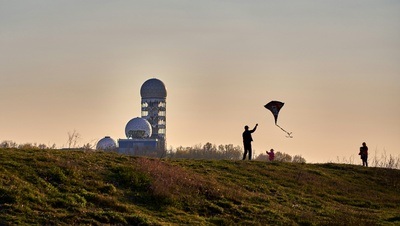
(129, 177)
(108, 189)
(8, 196)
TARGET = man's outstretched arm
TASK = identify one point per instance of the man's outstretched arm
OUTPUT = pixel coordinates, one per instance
(254, 129)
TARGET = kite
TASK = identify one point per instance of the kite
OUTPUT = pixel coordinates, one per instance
(275, 106)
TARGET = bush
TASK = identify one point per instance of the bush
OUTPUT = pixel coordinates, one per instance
(282, 157)
(208, 151)
(129, 177)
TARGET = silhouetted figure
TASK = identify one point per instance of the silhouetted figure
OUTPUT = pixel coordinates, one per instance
(247, 139)
(271, 155)
(364, 154)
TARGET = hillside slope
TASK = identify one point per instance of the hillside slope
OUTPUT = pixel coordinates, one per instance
(73, 187)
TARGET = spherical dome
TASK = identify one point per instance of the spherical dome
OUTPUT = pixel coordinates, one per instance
(153, 88)
(138, 128)
(106, 144)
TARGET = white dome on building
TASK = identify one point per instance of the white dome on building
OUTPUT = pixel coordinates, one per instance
(106, 144)
(138, 128)
(153, 88)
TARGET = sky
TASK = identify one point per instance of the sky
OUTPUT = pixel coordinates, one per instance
(78, 66)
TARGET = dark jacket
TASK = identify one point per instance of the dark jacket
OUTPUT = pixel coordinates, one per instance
(363, 151)
(247, 135)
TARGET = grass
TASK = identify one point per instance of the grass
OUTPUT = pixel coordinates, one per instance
(53, 187)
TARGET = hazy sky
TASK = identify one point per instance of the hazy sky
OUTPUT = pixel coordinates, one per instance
(79, 65)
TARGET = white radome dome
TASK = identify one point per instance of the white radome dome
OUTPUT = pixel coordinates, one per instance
(153, 88)
(138, 128)
(107, 143)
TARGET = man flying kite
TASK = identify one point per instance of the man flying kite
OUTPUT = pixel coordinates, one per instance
(275, 106)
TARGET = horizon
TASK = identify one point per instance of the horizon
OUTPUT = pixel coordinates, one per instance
(78, 66)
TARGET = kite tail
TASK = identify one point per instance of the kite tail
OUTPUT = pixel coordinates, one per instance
(289, 134)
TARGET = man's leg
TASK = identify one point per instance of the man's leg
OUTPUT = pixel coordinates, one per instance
(247, 149)
(250, 151)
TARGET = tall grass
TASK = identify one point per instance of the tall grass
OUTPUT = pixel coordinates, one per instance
(377, 159)
(174, 183)
(385, 161)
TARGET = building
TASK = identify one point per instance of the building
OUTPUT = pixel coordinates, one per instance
(154, 95)
(106, 144)
(148, 133)
(138, 138)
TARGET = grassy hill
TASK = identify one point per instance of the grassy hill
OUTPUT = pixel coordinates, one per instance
(56, 187)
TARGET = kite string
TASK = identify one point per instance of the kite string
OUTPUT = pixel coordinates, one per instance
(289, 134)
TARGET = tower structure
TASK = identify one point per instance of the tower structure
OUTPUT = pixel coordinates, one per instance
(154, 95)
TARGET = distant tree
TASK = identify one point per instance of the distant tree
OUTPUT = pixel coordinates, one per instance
(42, 146)
(298, 159)
(262, 157)
(28, 146)
(282, 157)
(208, 151)
(8, 144)
(34, 146)
(91, 146)
(88, 147)
(73, 139)
(233, 152)
(53, 146)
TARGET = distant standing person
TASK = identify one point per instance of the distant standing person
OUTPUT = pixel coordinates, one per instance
(247, 139)
(271, 155)
(364, 154)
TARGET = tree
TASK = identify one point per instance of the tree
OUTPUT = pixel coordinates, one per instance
(42, 146)
(73, 138)
(28, 146)
(282, 157)
(88, 147)
(298, 159)
(8, 144)
(233, 152)
(208, 151)
(262, 157)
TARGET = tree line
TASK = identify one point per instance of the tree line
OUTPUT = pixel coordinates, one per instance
(30, 146)
(207, 151)
(227, 152)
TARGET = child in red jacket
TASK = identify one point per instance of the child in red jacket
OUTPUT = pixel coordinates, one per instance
(271, 155)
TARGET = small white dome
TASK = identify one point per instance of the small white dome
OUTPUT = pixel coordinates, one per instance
(153, 88)
(138, 128)
(106, 144)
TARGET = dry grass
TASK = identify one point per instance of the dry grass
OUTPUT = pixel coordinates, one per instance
(176, 184)
(50, 187)
(377, 159)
